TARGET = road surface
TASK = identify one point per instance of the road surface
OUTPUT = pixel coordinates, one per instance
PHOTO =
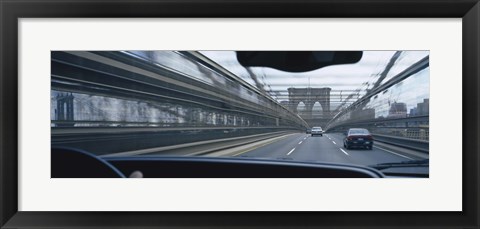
(328, 148)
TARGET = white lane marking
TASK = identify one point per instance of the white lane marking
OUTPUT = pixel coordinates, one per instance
(334, 142)
(290, 151)
(343, 151)
(393, 152)
(300, 142)
(304, 138)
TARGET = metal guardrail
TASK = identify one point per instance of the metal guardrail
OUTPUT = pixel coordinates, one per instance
(62, 131)
(103, 141)
(202, 147)
(408, 143)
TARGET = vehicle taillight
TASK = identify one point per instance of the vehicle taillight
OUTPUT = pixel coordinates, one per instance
(369, 137)
(349, 138)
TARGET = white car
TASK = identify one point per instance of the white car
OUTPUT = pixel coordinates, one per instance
(317, 131)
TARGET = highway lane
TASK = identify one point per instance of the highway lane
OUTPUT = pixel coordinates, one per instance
(328, 148)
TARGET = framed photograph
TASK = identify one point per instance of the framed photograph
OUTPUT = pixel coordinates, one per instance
(239, 114)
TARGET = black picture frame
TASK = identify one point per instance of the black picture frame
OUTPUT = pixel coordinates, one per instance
(11, 11)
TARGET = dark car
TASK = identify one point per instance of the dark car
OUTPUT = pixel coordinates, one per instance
(308, 131)
(357, 137)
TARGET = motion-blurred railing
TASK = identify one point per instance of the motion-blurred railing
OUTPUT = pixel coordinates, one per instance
(397, 112)
(144, 93)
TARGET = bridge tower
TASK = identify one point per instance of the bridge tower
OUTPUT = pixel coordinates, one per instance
(64, 110)
(309, 96)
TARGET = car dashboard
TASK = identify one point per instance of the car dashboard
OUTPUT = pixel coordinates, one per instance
(74, 163)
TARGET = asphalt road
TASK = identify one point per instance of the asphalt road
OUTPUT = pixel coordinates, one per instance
(328, 148)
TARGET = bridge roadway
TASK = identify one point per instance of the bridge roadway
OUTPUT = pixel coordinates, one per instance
(328, 148)
(282, 146)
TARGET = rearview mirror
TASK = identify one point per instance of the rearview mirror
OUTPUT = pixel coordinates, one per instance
(297, 61)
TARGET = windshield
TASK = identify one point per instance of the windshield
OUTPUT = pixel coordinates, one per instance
(358, 131)
(229, 104)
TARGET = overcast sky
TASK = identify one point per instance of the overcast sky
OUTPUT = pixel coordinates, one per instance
(360, 75)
